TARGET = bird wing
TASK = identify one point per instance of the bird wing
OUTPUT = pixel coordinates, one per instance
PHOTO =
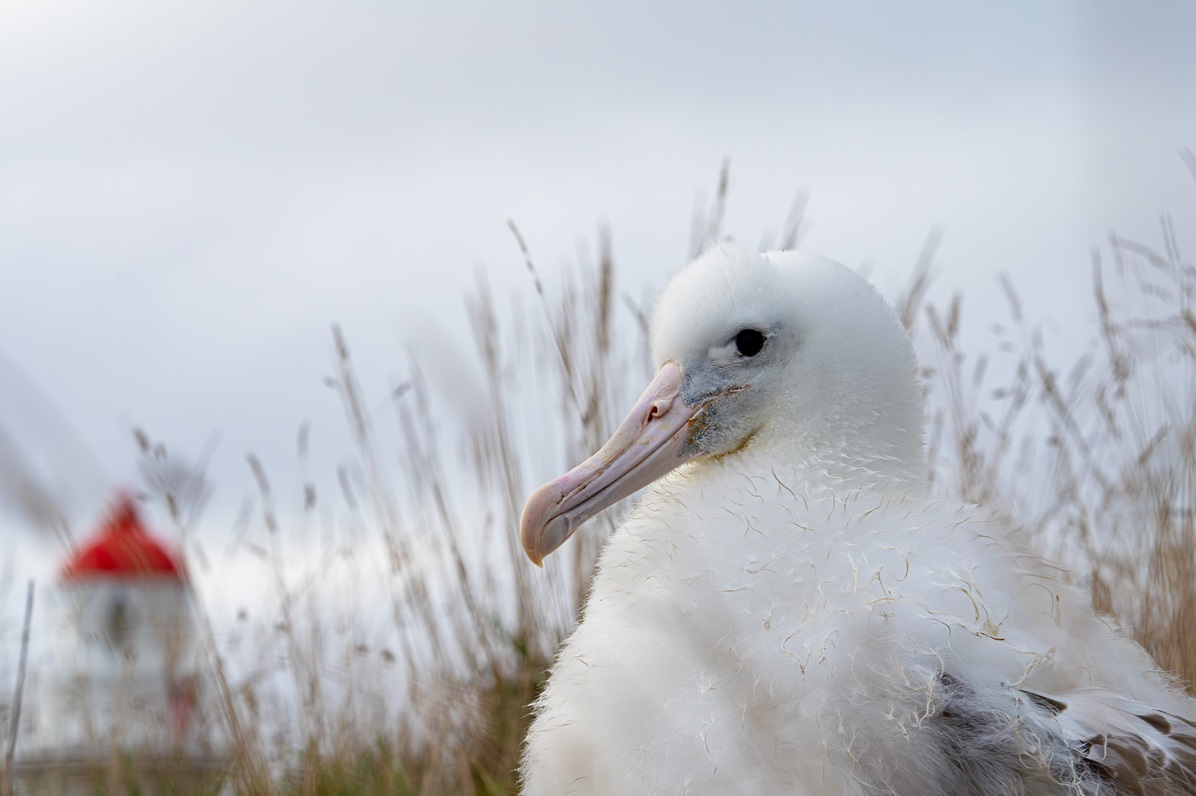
(1127, 744)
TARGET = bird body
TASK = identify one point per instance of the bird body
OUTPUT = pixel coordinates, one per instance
(788, 610)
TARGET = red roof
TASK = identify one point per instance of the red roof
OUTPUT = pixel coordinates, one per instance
(123, 548)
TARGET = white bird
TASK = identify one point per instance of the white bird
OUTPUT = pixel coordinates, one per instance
(788, 611)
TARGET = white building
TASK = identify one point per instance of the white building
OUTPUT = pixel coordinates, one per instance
(127, 684)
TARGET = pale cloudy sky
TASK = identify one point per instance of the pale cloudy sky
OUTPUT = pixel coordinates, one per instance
(192, 193)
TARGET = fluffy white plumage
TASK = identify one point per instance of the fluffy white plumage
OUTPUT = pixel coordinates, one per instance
(790, 612)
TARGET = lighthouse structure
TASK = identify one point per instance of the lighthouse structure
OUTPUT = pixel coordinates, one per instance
(129, 658)
(127, 676)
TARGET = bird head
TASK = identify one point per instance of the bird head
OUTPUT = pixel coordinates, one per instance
(785, 356)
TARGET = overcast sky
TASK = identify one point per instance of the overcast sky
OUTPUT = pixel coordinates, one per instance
(191, 194)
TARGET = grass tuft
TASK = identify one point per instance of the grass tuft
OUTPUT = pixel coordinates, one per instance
(403, 661)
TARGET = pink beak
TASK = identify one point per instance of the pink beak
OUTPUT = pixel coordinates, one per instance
(650, 442)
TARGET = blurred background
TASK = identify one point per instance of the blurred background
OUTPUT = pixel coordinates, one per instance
(193, 195)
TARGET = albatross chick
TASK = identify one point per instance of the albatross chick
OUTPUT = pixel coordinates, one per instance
(788, 611)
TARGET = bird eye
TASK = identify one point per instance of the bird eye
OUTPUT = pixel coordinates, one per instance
(749, 342)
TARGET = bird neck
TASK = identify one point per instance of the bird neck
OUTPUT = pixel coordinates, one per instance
(836, 460)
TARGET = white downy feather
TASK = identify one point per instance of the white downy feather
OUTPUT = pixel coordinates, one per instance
(792, 613)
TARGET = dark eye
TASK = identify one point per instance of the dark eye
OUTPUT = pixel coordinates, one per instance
(749, 342)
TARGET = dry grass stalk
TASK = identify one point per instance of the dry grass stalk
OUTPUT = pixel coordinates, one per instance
(473, 627)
